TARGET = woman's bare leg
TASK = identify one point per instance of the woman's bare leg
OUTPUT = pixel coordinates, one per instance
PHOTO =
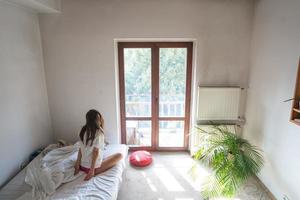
(108, 163)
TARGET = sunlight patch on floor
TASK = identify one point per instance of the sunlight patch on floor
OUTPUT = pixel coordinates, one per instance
(168, 179)
(178, 199)
(184, 199)
(151, 185)
(193, 175)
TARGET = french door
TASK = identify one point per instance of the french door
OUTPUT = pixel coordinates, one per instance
(155, 94)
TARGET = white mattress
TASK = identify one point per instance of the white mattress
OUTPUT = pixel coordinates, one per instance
(103, 187)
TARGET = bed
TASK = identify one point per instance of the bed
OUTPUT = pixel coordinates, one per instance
(103, 187)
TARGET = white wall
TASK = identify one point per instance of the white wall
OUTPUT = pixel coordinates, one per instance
(40, 6)
(275, 56)
(79, 49)
(24, 114)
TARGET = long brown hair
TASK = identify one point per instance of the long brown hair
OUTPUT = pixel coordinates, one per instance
(93, 124)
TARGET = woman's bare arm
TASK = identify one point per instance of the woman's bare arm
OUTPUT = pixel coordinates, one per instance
(78, 162)
(92, 169)
(94, 157)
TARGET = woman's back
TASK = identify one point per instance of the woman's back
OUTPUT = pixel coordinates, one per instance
(87, 150)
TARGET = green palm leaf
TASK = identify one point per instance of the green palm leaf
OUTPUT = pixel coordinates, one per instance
(232, 159)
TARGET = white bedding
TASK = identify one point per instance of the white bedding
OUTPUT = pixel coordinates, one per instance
(104, 186)
(46, 173)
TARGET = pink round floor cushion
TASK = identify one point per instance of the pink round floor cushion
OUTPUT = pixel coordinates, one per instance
(140, 158)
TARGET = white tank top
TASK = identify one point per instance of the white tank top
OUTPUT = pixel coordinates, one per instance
(87, 151)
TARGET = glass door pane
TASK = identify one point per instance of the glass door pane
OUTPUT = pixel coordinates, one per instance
(171, 133)
(137, 76)
(138, 133)
(137, 70)
(172, 81)
(172, 92)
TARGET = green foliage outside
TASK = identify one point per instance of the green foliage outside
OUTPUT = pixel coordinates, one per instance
(138, 71)
(172, 70)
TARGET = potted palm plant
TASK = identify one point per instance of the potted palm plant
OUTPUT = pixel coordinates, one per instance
(232, 160)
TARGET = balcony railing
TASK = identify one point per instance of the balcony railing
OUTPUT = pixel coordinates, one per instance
(139, 131)
(169, 105)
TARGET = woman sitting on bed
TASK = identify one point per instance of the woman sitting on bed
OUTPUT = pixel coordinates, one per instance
(90, 155)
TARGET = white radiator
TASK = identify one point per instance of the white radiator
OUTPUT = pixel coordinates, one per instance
(218, 103)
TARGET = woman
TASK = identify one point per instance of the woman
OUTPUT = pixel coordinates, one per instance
(90, 155)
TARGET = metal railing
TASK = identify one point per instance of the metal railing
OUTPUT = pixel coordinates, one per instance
(140, 105)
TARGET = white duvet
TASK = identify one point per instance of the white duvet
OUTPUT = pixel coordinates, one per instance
(52, 177)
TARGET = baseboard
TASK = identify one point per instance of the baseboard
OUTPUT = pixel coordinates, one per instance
(269, 193)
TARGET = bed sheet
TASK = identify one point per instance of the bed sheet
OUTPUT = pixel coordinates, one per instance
(103, 187)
